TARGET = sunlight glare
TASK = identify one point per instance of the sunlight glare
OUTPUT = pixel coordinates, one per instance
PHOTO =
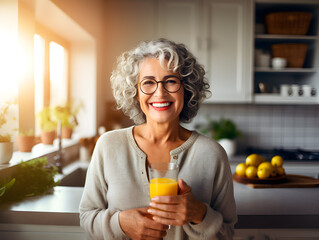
(9, 63)
(58, 74)
(39, 67)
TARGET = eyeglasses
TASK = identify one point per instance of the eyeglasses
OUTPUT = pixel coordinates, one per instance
(171, 84)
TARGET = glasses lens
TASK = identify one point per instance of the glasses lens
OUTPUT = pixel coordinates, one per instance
(172, 84)
(148, 86)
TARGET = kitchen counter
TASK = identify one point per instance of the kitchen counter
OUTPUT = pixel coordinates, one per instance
(257, 208)
(59, 208)
(276, 207)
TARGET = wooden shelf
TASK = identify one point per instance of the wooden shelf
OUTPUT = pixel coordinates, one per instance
(278, 99)
(292, 37)
(286, 70)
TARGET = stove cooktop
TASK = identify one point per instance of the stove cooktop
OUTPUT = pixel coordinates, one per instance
(287, 154)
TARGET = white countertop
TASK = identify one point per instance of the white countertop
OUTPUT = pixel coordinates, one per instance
(276, 201)
(298, 205)
(59, 208)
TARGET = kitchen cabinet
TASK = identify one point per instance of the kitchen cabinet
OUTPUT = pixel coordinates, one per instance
(276, 213)
(276, 234)
(179, 21)
(219, 33)
(289, 234)
(274, 78)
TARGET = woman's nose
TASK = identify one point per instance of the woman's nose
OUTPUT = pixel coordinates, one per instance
(160, 89)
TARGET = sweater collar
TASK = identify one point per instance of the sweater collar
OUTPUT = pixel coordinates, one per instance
(186, 145)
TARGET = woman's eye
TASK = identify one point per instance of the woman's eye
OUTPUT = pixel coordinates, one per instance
(148, 83)
(171, 81)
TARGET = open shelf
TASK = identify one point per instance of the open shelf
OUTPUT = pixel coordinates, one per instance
(284, 37)
(278, 99)
(274, 78)
(286, 70)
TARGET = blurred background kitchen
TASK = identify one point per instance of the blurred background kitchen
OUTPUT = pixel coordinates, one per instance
(55, 51)
(56, 59)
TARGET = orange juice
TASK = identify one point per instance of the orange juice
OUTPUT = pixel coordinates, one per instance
(163, 187)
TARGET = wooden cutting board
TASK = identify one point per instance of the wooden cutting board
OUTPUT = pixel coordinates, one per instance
(291, 181)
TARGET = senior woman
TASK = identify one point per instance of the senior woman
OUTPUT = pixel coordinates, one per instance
(159, 85)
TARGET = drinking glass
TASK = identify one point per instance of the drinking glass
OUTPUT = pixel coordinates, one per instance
(163, 179)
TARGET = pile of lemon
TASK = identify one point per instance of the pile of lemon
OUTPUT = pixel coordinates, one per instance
(256, 166)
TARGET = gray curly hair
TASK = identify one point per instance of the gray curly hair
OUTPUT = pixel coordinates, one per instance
(124, 78)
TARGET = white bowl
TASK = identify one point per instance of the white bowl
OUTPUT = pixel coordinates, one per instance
(278, 63)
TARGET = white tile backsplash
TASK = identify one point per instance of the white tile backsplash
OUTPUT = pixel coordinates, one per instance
(268, 126)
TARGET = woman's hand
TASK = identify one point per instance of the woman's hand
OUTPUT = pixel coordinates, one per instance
(177, 210)
(138, 224)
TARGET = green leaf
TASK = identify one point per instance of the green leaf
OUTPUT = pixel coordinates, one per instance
(33, 177)
(7, 186)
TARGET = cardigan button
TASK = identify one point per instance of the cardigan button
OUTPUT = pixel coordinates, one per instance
(175, 157)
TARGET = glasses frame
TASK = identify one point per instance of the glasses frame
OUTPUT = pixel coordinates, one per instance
(157, 82)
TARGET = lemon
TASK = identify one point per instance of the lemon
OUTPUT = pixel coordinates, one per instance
(253, 160)
(271, 168)
(265, 165)
(251, 172)
(280, 171)
(263, 173)
(277, 161)
(241, 169)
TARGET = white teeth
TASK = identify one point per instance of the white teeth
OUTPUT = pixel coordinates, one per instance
(160, 105)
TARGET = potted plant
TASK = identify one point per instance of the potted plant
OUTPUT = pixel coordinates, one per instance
(225, 132)
(25, 140)
(6, 145)
(47, 125)
(67, 115)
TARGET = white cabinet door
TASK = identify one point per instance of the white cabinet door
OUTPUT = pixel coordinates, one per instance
(289, 234)
(179, 21)
(229, 49)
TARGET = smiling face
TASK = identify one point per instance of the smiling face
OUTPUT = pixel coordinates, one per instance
(161, 106)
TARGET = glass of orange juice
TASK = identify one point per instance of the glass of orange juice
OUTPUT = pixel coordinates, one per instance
(163, 179)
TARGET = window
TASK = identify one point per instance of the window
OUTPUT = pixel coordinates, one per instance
(58, 74)
(50, 74)
(39, 60)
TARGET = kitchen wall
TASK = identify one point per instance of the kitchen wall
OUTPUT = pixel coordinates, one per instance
(268, 126)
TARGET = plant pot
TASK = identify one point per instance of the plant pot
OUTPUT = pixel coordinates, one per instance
(229, 145)
(66, 132)
(25, 143)
(6, 151)
(48, 137)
